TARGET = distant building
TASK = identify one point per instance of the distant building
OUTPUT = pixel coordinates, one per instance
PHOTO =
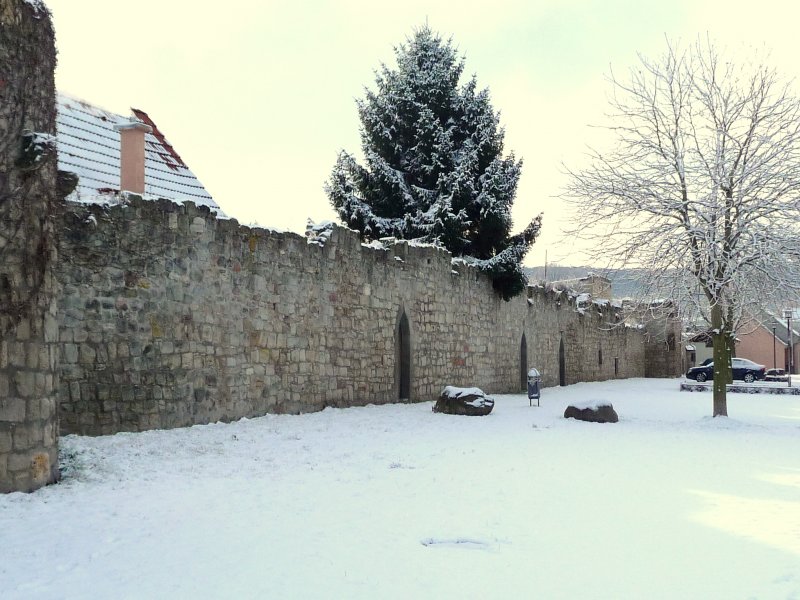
(597, 286)
(699, 348)
(769, 341)
(111, 153)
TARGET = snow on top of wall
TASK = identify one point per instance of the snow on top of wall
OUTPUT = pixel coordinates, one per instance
(375, 245)
(318, 233)
(89, 146)
(582, 300)
(114, 198)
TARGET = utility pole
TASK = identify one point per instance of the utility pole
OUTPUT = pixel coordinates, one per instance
(774, 342)
(788, 315)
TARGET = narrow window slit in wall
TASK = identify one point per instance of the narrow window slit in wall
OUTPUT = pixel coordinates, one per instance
(403, 358)
(523, 364)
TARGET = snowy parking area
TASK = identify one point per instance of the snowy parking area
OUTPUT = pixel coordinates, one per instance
(395, 501)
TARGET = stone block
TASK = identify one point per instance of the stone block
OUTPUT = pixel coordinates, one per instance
(50, 329)
(27, 436)
(23, 330)
(48, 407)
(45, 354)
(43, 385)
(19, 461)
(49, 435)
(16, 354)
(41, 471)
(25, 382)
(34, 410)
(32, 356)
(87, 354)
(86, 420)
(88, 392)
(198, 226)
(6, 443)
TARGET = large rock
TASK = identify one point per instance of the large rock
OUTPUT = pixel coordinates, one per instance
(463, 401)
(594, 411)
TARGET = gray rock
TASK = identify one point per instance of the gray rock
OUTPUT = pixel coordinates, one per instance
(458, 401)
(597, 412)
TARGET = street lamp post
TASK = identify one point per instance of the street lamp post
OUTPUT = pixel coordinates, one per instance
(774, 342)
(788, 315)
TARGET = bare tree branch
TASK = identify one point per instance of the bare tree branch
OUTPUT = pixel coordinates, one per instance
(701, 190)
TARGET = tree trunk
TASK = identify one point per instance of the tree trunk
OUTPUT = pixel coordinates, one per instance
(722, 360)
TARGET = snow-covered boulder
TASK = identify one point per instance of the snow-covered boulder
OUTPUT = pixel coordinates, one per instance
(595, 411)
(463, 401)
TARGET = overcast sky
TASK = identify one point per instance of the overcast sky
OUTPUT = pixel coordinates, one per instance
(258, 96)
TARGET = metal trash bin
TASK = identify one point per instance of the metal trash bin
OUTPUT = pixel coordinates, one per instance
(534, 386)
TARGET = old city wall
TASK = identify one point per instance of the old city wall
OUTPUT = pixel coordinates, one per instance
(663, 347)
(171, 317)
(28, 326)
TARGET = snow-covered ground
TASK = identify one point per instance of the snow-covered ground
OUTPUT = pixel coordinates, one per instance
(398, 502)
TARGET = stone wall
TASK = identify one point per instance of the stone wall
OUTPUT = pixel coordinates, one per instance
(171, 317)
(28, 326)
(663, 348)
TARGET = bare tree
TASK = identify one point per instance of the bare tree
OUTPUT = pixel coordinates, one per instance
(702, 188)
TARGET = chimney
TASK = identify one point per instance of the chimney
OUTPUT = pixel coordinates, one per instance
(131, 176)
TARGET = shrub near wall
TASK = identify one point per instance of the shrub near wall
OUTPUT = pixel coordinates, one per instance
(171, 317)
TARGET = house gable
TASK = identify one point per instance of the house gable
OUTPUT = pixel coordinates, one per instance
(89, 146)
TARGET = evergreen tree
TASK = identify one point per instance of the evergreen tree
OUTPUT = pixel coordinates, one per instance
(435, 170)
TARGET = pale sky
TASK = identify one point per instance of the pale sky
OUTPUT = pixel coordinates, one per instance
(258, 96)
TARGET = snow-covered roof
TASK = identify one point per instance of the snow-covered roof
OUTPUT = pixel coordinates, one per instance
(89, 146)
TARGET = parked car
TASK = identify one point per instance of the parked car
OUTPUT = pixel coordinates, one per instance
(743, 369)
(776, 375)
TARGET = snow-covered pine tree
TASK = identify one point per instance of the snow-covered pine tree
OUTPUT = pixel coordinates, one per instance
(435, 169)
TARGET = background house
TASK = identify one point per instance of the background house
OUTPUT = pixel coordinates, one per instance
(768, 342)
(597, 286)
(110, 153)
(697, 349)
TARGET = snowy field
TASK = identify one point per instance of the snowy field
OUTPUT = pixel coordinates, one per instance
(397, 502)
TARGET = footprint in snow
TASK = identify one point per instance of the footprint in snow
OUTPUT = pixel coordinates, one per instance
(467, 543)
(397, 465)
